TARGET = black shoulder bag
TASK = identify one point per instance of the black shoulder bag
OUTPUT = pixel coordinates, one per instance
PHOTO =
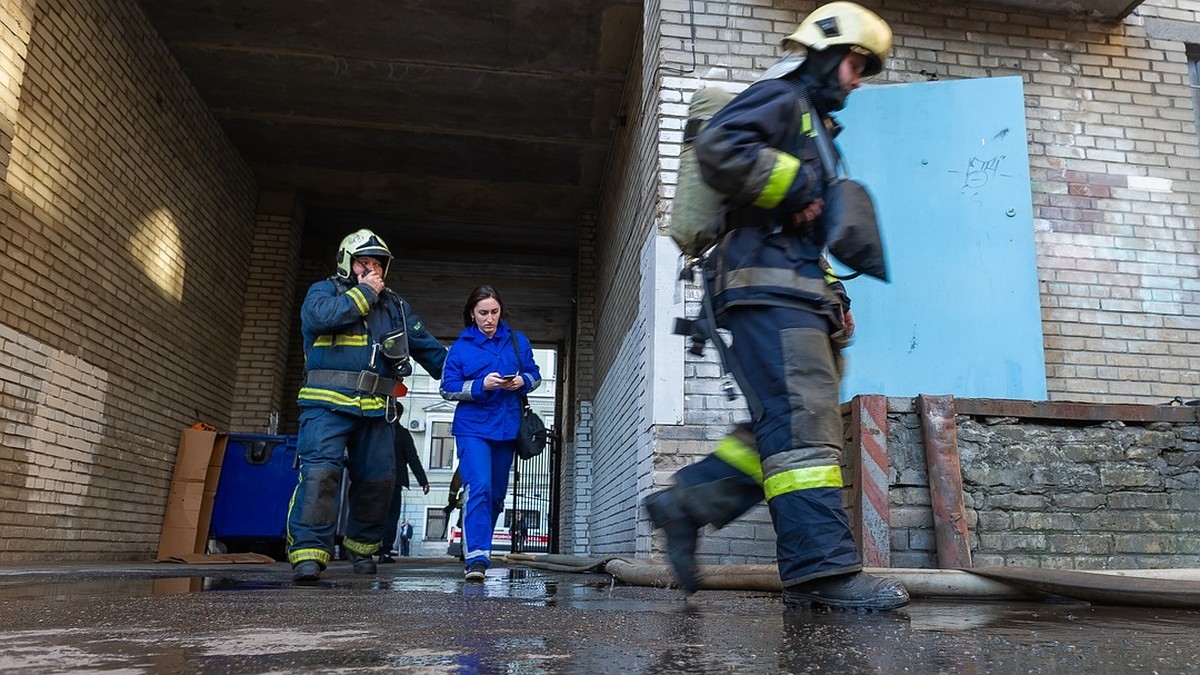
(531, 434)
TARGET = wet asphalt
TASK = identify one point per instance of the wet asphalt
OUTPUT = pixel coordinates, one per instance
(418, 616)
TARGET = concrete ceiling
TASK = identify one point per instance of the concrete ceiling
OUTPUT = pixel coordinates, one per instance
(471, 135)
(466, 132)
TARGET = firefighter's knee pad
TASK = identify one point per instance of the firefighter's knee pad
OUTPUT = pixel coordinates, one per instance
(320, 502)
(373, 501)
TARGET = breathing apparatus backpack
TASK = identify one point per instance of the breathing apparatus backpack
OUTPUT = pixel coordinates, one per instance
(698, 211)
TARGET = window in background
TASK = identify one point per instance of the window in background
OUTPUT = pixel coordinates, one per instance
(441, 446)
(435, 524)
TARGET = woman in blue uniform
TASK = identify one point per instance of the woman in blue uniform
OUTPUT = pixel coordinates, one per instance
(489, 368)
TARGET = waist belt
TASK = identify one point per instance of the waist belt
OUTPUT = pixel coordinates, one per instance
(363, 381)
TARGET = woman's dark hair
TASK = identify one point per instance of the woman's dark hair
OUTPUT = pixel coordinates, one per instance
(482, 293)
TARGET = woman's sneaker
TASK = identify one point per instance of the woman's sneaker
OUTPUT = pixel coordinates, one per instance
(476, 572)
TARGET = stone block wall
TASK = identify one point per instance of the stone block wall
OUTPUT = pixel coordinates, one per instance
(126, 220)
(1055, 493)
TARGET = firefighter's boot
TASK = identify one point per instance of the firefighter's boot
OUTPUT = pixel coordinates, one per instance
(362, 564)
(306, 572)
(667, 514)
(682, 509)
(857, 590)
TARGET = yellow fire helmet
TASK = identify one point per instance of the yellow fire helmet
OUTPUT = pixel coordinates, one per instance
(361, 243)
(845, 23)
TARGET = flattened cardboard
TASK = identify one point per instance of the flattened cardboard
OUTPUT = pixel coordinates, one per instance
(219, 558)
(193, 489)
(211, 479)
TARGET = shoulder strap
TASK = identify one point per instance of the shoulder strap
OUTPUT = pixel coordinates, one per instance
(512, 335)
(829, 156)
(830, 159)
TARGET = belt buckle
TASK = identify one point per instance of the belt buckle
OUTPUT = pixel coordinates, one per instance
(367, 376)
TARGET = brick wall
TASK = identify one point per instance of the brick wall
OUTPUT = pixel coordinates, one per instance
(1113, 150)
(260, 395)
(309, 271)
(575, 461)
(576, 501)
(125, 228)
(625, 225)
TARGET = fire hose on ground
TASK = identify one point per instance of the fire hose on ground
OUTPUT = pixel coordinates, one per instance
(1174, 588)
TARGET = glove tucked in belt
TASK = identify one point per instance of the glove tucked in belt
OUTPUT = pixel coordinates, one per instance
(363, 381)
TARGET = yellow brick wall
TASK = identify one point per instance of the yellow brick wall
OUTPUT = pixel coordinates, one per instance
(126, 222)
(261, 395)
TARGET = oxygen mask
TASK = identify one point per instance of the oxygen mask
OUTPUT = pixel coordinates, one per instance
(394, 347)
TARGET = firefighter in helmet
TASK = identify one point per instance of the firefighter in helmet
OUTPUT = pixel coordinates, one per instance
(765, 282)
(359, 336)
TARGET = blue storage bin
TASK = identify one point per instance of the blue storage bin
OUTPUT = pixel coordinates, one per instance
(258, 476)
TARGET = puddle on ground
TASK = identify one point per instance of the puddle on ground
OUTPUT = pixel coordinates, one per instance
(530, 587)
(243, 621)
(539, 588)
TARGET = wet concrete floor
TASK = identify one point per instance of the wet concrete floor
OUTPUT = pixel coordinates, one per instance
(419, 617)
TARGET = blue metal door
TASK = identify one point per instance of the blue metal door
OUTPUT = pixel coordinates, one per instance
(948, 167)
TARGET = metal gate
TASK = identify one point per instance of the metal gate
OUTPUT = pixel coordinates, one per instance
(532, 505)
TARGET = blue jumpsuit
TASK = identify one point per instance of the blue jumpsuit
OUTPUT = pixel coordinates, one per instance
(768, 289)
(485, 425)
(343, 426)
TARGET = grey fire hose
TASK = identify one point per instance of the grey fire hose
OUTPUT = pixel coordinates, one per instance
(1178, 588)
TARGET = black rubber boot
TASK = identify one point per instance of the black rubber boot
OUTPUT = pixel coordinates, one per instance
(362, 564)
(857, 590)
(306, 572)
(668, 515)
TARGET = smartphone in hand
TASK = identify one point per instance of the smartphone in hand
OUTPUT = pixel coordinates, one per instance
(509, 378)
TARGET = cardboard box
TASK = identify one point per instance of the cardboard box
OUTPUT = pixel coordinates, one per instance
(193, 489)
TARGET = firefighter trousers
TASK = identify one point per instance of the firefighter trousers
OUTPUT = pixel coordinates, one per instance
(328, 442)
(790, 452)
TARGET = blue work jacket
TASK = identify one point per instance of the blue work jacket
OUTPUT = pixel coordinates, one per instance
(493, 415)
